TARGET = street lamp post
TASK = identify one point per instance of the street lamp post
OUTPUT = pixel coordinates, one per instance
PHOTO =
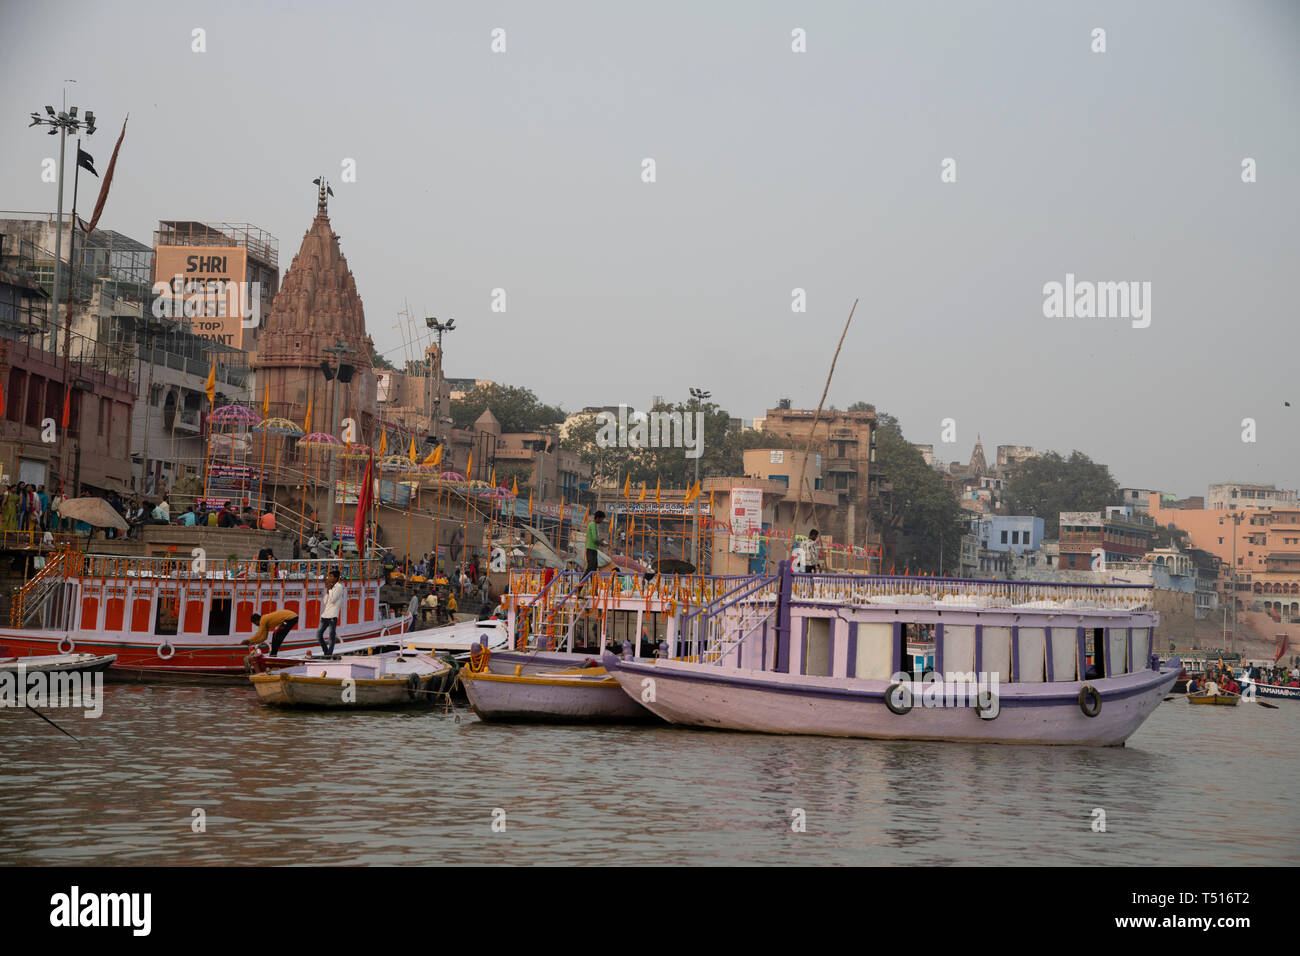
(61, 122)
(338, 350)
(699, 395)
(439, 327)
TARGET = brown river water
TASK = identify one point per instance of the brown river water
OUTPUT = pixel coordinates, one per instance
(1195, 786)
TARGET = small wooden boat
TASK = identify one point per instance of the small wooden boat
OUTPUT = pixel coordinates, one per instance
(1222, 699)
(560, 695)
(383, 680)
(59, 663)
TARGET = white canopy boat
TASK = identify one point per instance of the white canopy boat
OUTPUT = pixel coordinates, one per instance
(59, 663)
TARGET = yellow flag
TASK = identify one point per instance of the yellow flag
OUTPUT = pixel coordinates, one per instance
(307, 425)
(383, 442)
(266, 399)
(212, 385)
(627, 485)
(641, 497)
(434, 457)
(514, 486)
(411, 454)
(692, 493)
(656, 491)
(710, 502)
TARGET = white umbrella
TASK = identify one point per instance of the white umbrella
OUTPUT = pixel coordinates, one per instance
(93, 511)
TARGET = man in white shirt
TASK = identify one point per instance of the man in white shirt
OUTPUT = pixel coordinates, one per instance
(330, 613)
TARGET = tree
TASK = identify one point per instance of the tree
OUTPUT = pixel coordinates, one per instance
(517, 409)
(381, 361)
(915, 511)
(722, 450)
(1049, 484)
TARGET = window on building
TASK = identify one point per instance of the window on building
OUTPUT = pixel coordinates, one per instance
(1004, 537)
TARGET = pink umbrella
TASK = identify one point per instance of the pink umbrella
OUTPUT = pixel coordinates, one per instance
(234, 415)
(451, 476)
(319, 438)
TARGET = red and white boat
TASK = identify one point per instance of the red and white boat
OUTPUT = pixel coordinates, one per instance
(168, 619)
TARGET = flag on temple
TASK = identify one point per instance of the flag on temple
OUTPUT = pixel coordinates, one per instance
(211, 387)
(383, 442)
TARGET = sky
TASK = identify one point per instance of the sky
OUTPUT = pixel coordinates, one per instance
(774, 171)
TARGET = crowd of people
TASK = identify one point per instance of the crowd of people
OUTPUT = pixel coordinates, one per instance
(1219, 679)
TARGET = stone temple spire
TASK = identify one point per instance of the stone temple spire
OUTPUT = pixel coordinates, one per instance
(316, 307)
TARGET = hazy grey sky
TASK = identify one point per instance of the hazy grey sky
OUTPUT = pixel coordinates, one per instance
(775, 170)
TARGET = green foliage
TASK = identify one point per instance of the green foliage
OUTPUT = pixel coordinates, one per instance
(517, 409)
(381, 361)
(916, 512)
(1047, 485)
(723, 450)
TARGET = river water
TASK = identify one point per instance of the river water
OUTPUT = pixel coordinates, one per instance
(206, 775)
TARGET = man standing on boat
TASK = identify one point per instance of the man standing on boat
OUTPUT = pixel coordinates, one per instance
(593, 539)
(812, 552)
(278, 624)
(329, 613)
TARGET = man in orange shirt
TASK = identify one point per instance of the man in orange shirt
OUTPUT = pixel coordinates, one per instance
(281, 621)
(267, 521)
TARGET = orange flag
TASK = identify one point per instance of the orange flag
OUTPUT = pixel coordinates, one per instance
(627, 485)
(383, 442)
(435, 457)
(211, 387)
(514, 486)
(656, 491)
(266, 400)
(411, 454)
(307, 425)
(469, 468)
(641, 497)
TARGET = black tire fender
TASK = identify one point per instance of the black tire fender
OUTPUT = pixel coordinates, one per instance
(1089, 701)
(902, 707)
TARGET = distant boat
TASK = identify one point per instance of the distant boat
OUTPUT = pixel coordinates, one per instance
(1276, 690)
(59, 663)
(381, 680)
(1221, 699)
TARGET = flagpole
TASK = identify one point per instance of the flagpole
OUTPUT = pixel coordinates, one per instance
(72, 292)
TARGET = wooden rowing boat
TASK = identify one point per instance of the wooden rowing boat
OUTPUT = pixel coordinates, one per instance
(1221, 699)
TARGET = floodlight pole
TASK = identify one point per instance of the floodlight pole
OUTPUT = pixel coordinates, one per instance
(338, 350)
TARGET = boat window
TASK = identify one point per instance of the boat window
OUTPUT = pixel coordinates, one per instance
(1031, 663)
(168, 616)
(995, 656)
(219, 615)
(1118, 650)
(875, 656)
(1094, 646)
(959, 648)
(622, 627)
(817, 647)
(1065, 654)
(1141, 646)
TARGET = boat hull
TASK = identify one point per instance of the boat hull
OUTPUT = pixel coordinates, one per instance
(551, 697)
(702, 695)
(1214, 700)
(60, 664)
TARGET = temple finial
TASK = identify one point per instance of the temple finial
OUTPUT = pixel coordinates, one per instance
(322, 204)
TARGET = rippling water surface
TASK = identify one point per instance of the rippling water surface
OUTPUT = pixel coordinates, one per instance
(1195, 785)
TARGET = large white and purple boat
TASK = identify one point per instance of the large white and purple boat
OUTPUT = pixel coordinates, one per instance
(910, 658)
